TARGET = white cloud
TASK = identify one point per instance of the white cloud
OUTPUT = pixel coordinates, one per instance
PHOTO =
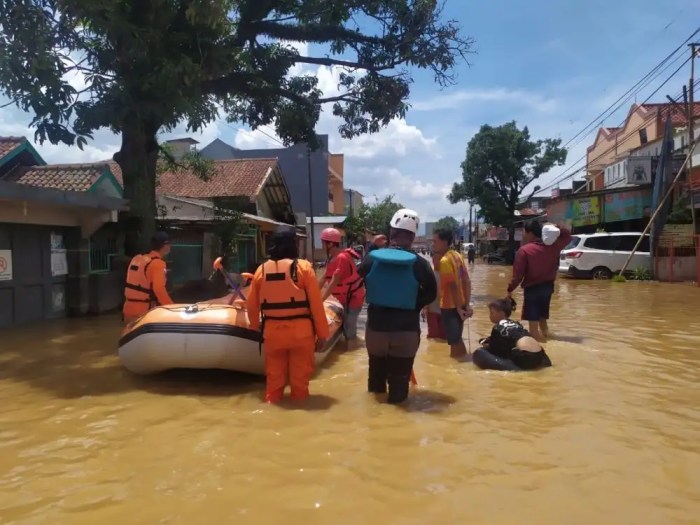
(453, 100)
(427, 198)
(398, 138)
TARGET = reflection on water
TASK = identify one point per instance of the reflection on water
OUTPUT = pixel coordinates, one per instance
(611, 434)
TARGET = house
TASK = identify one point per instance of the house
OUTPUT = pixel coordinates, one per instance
(320, 224)
(644, 124)
(50, 216)
(352, 200)
(324, 183)
(196, 209)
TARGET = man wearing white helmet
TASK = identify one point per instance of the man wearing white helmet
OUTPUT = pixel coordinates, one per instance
(399, 285)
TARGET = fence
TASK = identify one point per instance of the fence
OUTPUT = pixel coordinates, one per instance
(677, 259)
(101, 250)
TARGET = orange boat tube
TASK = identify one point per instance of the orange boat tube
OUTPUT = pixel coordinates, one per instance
(212, 334)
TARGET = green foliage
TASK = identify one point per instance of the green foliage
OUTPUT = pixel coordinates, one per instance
(447, 223)
(641, 274)
(680, 212)
(376, 217)
(230, 224)
(150, 65)
(619, 278)
(500, 163)
(354, 228)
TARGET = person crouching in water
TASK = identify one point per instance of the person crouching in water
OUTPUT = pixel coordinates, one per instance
(343, 281)
(510, 346)
(285, 294)
(399, 285)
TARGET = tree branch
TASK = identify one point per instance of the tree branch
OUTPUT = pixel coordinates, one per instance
(327, 61)
(317, 33)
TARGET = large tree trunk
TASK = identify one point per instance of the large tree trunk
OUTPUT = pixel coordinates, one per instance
(138, 158)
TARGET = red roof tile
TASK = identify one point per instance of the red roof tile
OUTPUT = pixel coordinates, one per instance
(116, 171)
(678, 115)
(67, 177)
(8, 144)
(231, 178)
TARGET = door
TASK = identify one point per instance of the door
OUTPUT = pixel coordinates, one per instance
(32, 293)
(641, 257)
(597, 253)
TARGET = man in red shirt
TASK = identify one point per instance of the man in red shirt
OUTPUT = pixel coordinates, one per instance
(535, 268)
(342, 280)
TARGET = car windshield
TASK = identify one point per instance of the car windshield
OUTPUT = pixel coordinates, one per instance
(573, 243)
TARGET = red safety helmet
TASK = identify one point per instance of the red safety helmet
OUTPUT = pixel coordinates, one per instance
(331, 235)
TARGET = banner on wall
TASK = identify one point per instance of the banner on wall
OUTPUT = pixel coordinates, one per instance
(5, 265)
(59, 258)
(585, 211)
(627, 205)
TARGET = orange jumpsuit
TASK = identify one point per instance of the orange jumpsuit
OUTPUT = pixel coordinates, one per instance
(287, 296)
(145, 286)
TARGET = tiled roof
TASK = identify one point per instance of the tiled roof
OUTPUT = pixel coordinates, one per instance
(67, 177)
(116, 171)
(678, 115)
(7, 144)
(231, 178)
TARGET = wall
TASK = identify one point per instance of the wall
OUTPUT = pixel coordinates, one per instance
(608, 148)
(676, 268)
(351, 198)
(294, 166)
(336, 161)
(89, 220)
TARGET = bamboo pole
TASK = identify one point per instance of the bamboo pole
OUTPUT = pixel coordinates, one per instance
(661, 204)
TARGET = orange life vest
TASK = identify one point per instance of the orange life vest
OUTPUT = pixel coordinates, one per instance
(281, 298)
(138, 288)
(347, 288)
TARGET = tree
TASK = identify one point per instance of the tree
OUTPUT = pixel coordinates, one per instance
(354, 228)
(447, 223)
(376, 217)
(501, 163)
(149, 65)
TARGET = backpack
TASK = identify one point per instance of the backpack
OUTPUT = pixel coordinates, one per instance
(391, 281)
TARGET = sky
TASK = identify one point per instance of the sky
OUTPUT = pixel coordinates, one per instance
(551, 65)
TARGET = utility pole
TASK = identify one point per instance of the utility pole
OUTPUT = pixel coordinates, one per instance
(471, 214)
(311, 207)
(691, 130)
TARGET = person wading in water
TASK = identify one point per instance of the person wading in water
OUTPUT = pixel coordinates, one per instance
(535, 268)
(399, 285)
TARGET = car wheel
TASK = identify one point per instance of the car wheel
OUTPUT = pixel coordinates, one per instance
(601, 273)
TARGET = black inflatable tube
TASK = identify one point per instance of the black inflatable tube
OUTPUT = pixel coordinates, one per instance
(487, 361)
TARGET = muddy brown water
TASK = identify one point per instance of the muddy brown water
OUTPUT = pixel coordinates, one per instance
(610, 435)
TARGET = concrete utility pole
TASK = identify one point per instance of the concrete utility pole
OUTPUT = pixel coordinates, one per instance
(691, 127)
(311, 208)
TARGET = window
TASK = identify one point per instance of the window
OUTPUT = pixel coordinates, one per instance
(626, 243)
(643, 136)
(573, 243)
(599, 243)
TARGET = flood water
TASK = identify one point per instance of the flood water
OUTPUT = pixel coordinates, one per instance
(610, 435)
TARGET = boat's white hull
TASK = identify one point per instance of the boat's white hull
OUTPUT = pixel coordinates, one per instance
(150, 353)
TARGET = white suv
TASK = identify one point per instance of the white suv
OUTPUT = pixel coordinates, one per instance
(600, 255)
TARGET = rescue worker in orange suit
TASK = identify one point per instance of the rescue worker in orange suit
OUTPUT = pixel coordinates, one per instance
(145, 280)
(343, 281)
(285, 295)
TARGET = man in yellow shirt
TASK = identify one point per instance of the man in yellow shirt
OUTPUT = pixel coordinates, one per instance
(455, 291)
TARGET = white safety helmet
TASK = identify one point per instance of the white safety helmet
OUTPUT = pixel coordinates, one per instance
(405, 219)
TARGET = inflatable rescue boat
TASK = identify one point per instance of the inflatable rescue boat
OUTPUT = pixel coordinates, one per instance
(208, 335)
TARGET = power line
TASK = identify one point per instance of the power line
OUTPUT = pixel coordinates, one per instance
(633, 90)
(565, 176)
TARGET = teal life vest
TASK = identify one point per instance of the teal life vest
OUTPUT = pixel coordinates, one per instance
(391, 281)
